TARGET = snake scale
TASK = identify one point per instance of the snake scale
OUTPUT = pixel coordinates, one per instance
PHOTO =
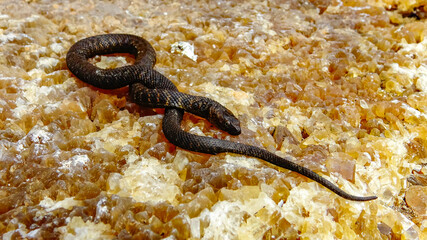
(150, 88)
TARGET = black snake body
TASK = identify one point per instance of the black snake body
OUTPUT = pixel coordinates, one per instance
(150, 88)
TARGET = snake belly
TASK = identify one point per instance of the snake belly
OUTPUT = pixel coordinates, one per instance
(150, 88)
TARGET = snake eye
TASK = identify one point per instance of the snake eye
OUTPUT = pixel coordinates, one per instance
(224, 119)
(232, 123)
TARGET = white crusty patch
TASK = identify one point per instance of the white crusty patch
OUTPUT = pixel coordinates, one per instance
(18, 26)
(306, 206)
(107, 62)
(419, 74)
(75, 162)
(422, 78)
(233, 162)
(57, 47)
(40, 134)
(411, 49)
(228, 97)
(184, 48)
(146, 180)
(50, 205)
(34, 95)
(113, 136)
(78, 229)
(390, 152)
(234, 220)
(47, 63)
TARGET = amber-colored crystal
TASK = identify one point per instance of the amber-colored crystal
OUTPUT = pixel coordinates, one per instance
(338, 86)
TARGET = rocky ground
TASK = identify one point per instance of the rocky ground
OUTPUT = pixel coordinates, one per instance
(340, 86)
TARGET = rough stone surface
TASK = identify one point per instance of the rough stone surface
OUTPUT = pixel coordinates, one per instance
(341, 86)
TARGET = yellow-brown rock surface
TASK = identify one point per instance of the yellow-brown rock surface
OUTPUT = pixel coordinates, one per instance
(339, 85)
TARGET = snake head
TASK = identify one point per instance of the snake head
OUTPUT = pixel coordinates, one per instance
(225, 120)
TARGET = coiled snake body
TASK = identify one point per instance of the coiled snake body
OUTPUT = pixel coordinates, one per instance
(149, 88)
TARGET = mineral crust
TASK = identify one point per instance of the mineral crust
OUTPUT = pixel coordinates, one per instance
(340, 86)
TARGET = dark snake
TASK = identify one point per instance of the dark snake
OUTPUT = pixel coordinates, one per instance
(150, 88)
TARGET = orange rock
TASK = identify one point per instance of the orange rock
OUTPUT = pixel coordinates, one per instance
(416, 198)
